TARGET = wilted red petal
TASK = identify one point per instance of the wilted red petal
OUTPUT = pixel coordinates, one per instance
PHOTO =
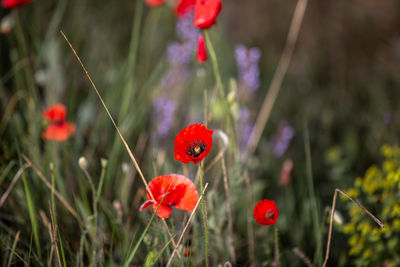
(59, 131)
(266, 212)
(14, 3)
(201, 50)
(174, 191)
(154, 3)
(206, 12)
(183, 7)
(55, 113)
(193, 143)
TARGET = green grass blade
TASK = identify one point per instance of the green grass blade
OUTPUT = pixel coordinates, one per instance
(132, 254)
(6, 170)
(315, 209)
(13, 249)
(61, 248)
(31, 210)
(161, 251)
(130, 258)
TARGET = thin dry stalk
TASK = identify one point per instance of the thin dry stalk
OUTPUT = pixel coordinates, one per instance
(328, 244)
(277, 79)
(303, 257)
(54, 236)
(46, 182)
(48, 225)
(12, 184)
(117, 129)
(12, 102)
(109, 114)
(229, 203)
(215, 159)
(250, 231)
(186, 227)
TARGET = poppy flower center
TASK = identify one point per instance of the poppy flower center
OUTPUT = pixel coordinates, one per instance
(270, 215)
(196, 148)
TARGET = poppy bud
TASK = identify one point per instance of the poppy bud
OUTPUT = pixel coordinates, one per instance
(83, 163)
(201, 50)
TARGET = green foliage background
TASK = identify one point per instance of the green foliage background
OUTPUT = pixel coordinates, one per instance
(340, 95)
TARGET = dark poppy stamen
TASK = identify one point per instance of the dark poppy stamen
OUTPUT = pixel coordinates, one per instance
(270, 214)
(196, 148)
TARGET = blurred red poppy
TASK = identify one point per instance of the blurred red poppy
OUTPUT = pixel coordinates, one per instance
(183, 7)
(171, 190)
(186, 252)
(55, 113)
(201, 50)
(14, 3)
(266, 212)
(193, 143)
(58, 129)
(154, 3)
(206, 12)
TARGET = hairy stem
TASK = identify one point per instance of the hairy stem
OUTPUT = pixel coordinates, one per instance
(203, 207)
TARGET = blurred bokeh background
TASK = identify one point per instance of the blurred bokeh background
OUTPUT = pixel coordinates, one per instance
(338, 101)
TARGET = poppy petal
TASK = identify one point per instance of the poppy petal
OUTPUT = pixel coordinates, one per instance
(55, 113)
(146, 204)
(14, 3)
(183, 7)
(201, 50)
(193, 143)
(163, 211)
(206, 12)
(59, 131)
(154, 3)
(266, 212)
(190, 196)
(173, 191)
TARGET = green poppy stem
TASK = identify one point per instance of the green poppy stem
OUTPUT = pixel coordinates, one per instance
(204, 213)
(220, 85)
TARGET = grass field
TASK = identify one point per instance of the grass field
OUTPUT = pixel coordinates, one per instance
(302, 98)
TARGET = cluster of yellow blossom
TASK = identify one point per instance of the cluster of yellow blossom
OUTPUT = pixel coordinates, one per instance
(379, 191)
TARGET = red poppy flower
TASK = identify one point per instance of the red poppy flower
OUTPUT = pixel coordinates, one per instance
(266, 212)
(193, 143)
(183, 7)
(177, 190)
(59, 131)
(186, 252)
(205, 13)
(154, 3)
(55, 113)
(14, 3)
(201, 50)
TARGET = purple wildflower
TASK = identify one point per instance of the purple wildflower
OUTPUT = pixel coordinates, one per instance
(245, 127)
(282, 138)
(185, 29)
(163, 114)
(180, 53)
(248, 70)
